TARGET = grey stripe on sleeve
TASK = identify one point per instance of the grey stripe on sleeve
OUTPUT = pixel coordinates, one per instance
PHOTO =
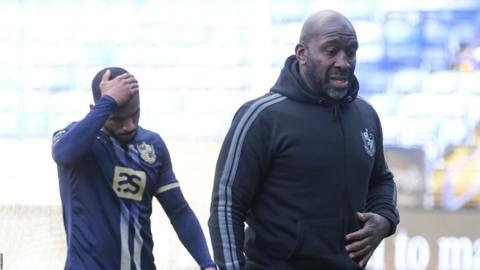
(228, 177)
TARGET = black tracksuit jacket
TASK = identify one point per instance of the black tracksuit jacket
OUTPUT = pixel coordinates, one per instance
(296, 167)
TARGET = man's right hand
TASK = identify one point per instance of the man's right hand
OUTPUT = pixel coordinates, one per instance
(121, 88)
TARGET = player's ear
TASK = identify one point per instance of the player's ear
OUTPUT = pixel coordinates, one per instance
(300, 52)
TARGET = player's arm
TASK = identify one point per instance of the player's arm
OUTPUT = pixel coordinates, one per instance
(382, 192)
(185, 224)
(71, 144)
(242, 161)
(181, 216)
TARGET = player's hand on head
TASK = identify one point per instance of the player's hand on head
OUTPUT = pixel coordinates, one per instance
(120, 88)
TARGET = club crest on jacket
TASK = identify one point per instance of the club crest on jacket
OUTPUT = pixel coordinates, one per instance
(368, 142)
(147, 152)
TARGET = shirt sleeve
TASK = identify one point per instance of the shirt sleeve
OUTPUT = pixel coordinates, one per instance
(166, 179)
(242, 161)
(72, 143)
(382, 193)
(186, 225)
(183, 219)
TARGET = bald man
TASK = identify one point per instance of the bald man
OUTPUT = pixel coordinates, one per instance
(303, 166)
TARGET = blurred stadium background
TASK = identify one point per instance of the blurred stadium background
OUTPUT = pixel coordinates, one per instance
(197, 61)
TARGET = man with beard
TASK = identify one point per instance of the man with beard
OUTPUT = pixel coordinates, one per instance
(110, 169)
(303, 166)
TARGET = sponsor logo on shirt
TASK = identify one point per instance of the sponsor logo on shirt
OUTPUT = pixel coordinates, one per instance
(147, 152)
(368, 141)
(129, 183)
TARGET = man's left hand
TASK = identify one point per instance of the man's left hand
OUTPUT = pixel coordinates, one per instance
(364, 241)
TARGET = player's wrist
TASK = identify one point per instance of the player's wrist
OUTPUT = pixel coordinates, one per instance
(111, 99)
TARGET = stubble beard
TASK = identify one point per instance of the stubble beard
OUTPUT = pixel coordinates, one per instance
(314, 79)
(336, 93)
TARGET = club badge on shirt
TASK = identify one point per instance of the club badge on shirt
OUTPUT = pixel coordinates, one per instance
(368, 142)
(147, 152)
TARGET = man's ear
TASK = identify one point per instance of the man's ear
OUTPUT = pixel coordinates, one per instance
(91, 106)
(301, 53)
